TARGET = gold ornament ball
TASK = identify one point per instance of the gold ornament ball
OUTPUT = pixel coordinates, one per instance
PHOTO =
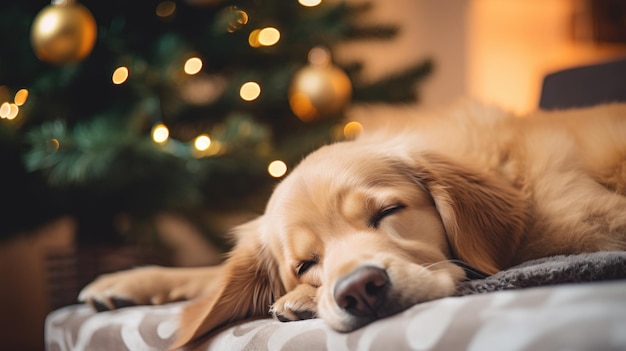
(63, 33)
(318, 91)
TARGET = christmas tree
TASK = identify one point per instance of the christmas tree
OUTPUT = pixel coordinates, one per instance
(114, 111)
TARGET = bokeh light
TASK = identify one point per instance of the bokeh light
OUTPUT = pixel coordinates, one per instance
(277, 168)
(4, 109)
(202, 142)
(120, 75)
(352, 129)
(238, 19)
(165, 8)
(21, 96)
(53, 144)
(13, 111)
(9, 110)
(309, 3)
(269, 36)
(193, 65)
(160, 133)
(253, 38)
(250, 91)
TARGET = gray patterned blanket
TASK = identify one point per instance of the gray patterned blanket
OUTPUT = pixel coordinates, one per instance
(561, 269)
(558, 316)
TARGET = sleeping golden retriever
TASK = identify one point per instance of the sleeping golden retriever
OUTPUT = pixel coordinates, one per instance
(363, 229)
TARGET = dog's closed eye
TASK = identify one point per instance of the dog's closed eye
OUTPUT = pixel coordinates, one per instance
(304, 266)
(385, 212)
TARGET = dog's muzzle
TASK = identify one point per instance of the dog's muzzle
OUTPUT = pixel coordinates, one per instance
(362, 292)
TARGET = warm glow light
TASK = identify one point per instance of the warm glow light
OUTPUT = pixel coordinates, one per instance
(253, 38)
(310, 3)
(319, 56)
(13, 111)
(352, 130)
(160, 133)
(54, 144)
(8, 110)
(165, 8)
(238, 20)
(250, 91)
(269, 36)
(193, 65)
(20, 97)
(120, 75)
(277, 168)
(5, 108)
(538, 37)
(202, 142)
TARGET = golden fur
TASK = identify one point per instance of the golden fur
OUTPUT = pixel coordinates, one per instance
(374, 225)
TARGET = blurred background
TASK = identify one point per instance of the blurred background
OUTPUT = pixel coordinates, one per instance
(136, 133)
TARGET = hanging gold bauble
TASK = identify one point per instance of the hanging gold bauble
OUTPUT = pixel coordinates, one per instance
(63, 33)
(319, 90)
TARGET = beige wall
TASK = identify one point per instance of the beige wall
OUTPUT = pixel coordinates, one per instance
(513, 44)
(434, 29)
(497, 51)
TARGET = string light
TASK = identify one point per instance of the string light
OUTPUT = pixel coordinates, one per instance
(165, 8)
(352, 129)
(253, 38)
(120, 75)
(277, 168)
(20, 97)
(309, 3)
(193, 65)
(202, 142)
(13, 111)
(9, 110)
(238, 19)
(250, 91)
(269, 36)
(4, 109)
(160, 133)
(54, 145)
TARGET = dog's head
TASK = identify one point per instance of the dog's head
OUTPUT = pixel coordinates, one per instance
(373, 227)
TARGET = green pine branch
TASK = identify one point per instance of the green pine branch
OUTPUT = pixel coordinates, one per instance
(85, 144)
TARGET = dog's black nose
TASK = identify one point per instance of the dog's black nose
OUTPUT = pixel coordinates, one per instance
(362, 291)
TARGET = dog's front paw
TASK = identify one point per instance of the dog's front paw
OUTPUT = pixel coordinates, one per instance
(139, 286)
(298, 304)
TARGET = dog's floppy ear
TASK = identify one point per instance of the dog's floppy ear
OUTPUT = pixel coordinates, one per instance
(249, 285)
(484, 217)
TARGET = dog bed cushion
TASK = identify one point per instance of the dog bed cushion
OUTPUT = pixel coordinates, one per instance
(583, 307)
